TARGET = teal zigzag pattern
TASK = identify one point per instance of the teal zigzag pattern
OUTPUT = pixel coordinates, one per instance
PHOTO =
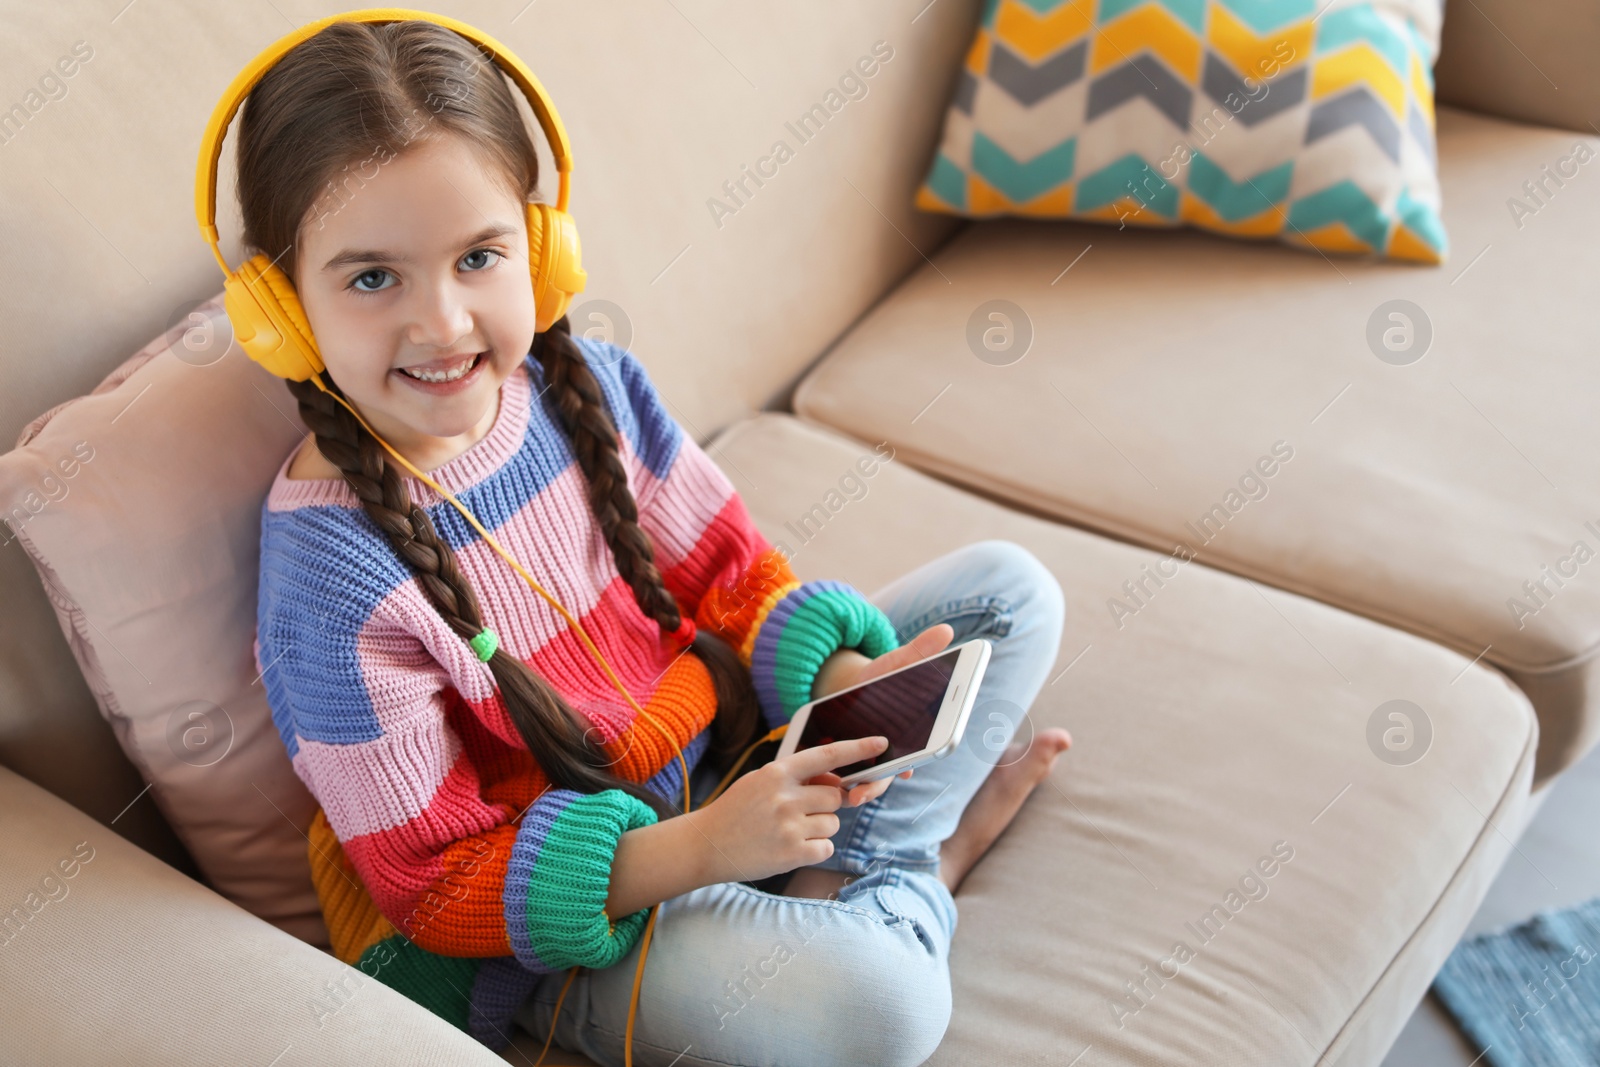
(1237, 201)
(1023, 181)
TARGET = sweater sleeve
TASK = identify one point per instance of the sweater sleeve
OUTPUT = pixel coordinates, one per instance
(722, 571)
(560, 875)
(460, 841)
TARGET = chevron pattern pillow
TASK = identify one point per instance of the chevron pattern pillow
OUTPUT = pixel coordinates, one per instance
(1308, 121)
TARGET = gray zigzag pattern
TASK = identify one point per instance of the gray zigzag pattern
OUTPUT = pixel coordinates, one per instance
(1421, 132)
(966, 91)
(1219, 79)
(1030, 84)
(1145, 76)
(1357, 107)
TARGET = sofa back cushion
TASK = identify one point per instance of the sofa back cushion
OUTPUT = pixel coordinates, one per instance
(1530, 62)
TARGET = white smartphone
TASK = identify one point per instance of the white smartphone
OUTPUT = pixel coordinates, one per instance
(922, 709)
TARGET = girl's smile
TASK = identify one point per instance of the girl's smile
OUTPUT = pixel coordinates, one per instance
(446, 376)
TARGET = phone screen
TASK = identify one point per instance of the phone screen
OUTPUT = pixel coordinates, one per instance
(902, 707)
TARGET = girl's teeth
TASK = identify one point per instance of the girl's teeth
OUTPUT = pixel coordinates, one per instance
(442, 376)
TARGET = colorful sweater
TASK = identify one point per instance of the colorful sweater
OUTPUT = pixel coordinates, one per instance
(446, 864)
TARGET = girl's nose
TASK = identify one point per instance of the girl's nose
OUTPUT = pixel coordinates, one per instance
(441, 318)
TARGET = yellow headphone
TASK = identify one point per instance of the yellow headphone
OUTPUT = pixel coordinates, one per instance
(267, 318)
(272, 328)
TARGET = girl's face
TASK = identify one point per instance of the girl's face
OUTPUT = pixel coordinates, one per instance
(424, 268)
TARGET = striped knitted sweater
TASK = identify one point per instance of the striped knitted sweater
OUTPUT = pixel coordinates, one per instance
(445, 863)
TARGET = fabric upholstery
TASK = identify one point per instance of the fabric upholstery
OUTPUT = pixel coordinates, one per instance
(1204, 734)
(1206, 731)
(1149, 377)
(112, 972)
(1531, 62)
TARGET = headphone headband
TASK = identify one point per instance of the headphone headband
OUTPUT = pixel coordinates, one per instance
(205, 193)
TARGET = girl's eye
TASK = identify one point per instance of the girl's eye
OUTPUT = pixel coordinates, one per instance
(355, 284)
(357, 287)
(484, 252)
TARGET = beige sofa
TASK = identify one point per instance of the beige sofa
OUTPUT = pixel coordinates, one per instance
(1228, 716)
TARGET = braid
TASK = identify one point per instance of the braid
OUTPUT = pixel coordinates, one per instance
(556, 735)
(578, 398)
(594, 440)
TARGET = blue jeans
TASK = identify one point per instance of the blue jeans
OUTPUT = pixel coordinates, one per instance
(740, 976)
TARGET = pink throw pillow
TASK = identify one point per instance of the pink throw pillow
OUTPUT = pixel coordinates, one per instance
(140, 505)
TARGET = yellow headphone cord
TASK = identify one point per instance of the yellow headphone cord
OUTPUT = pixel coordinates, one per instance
(655, 909)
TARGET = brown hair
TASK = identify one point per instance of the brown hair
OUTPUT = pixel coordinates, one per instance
(345, 95)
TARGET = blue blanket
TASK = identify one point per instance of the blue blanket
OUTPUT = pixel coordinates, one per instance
(1529, 995)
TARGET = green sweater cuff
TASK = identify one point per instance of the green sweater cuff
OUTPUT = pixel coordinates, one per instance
(560, 876)
(801, 631)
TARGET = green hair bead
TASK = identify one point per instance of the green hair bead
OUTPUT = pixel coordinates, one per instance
(485, 644)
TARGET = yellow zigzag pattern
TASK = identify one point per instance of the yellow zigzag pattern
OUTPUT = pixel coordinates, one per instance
(1360, 64)
(1251, 55)
(1154, 29)
(1038, 36)
(1150, 28)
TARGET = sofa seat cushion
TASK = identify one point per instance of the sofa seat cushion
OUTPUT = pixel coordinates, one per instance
(1229, 721)
(1442, 436)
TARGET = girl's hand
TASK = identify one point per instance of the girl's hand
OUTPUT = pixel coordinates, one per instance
(847, 667)
(861, 792)
(780, 817)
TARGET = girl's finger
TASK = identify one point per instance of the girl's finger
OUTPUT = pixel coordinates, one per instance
(810, 762)
(867, 791)
(823, 798)
(821, 825)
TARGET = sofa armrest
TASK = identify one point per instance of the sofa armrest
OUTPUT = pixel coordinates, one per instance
(109, 956)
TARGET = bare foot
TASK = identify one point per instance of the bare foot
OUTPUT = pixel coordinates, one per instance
(997, 801)
(987, 815)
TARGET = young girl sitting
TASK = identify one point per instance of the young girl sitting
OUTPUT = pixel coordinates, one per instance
(492, 812)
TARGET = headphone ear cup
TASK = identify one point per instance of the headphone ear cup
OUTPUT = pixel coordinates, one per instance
(268, 321)
(554, 262)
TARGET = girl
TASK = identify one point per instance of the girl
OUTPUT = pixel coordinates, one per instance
(492, 814)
